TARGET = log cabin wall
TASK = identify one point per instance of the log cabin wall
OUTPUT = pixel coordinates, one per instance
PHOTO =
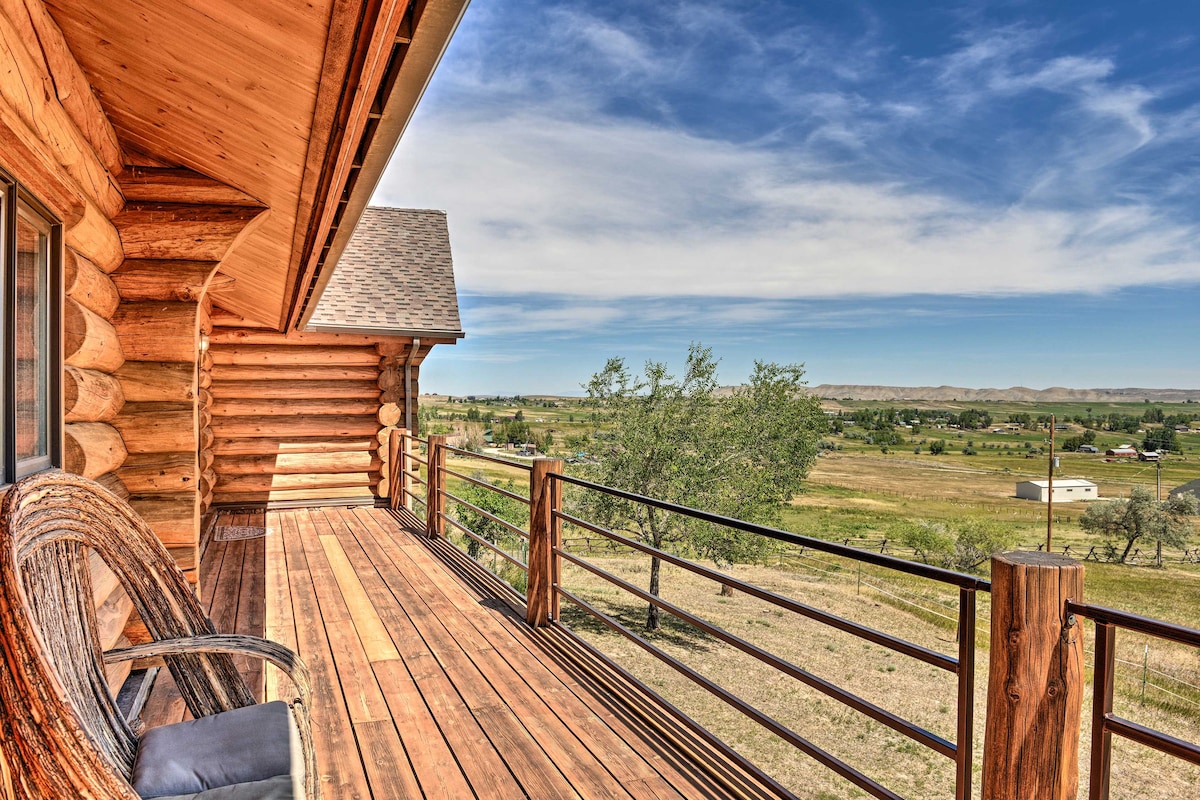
(176, 228)
(306, 416)
(57, 142)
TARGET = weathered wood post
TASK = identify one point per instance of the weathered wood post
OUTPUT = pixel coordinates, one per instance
(395, 474)
(545, 533)
(404, 465)
(435, 495)
(1035, 687)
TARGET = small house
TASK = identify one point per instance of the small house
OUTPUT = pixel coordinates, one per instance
(1125, 451)
(1067, 490)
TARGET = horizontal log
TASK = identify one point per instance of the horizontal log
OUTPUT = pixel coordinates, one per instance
(154, 381)
(180, 185)
(394, 396)
(204, 379)
(255, 372)
(275, 427)
(207, 437)
(255, 483)
(187, 556)
(290, 355)
(389, 415)
(28, 88)
(158, 432)
(297, 463)
(173, 518)
(113, 485)
(89, 340)
(206, 457)
(205, 362)
(159, 473)
(90, 396)
(71, 86)
(276, 495)
(292, 445)
(276, 407)
(257, 336)
(157, 331)
(182, 231)
(95, 237)
(295, 390)
(88, 286)
(208, 482)
(163, 279)
(205, 399)
(91, 449)
(203, 416)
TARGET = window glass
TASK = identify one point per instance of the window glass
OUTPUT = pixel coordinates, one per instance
(31, 337)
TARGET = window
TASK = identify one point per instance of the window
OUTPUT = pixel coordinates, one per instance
(30, 248)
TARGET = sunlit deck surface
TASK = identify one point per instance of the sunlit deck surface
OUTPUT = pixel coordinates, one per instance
(427, 684)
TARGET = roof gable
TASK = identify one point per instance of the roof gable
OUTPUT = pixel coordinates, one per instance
(395, 276)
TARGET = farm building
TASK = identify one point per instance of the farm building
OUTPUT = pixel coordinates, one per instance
(1066, 490)
(1127, 451)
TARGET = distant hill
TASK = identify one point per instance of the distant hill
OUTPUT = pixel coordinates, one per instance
(1020, 394)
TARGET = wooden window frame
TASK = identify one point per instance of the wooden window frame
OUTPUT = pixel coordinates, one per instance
(14, 200)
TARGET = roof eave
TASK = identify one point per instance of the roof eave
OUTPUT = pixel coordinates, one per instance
(439, 20)
(450, 335)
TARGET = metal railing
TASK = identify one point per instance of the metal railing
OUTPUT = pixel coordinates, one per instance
(962, 666)
(1105, 723)
(545, 592)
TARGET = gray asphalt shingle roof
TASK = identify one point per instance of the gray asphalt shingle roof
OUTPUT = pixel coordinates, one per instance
(396, 276)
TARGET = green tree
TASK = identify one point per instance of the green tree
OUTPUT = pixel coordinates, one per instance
(741, 455)
(937, 447)
(1162, 438)
(963, 545)
(1142, 518)
(494, 503)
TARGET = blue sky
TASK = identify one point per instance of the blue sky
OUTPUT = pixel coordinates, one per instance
(977, 194)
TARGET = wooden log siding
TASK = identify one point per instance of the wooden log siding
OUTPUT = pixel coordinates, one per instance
(297, 417)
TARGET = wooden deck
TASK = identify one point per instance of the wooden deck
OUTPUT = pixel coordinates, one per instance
(427, 684)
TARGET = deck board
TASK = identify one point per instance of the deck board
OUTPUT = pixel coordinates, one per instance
(427, 685)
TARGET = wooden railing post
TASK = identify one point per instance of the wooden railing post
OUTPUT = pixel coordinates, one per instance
(395, 469)
(435, 495)
(1035, 686)
(545, 533)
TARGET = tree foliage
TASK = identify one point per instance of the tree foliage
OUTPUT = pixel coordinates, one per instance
(741, 454)
(494, 503)
(963, 545)
(1142, 518)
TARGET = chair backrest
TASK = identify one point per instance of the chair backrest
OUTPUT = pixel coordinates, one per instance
(63, 735)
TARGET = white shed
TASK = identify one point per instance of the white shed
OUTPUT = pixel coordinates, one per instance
(1066, 490)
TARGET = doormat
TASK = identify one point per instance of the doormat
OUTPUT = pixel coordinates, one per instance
(235, 533)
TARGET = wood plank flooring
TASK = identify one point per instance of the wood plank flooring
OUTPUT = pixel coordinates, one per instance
(426, 684)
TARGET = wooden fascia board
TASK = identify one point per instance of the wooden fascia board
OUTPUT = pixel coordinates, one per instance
(437, 22)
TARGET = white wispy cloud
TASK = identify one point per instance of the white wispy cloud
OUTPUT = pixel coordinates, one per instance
(549, 192)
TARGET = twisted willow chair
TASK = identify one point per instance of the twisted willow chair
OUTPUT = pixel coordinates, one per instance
(61, 732)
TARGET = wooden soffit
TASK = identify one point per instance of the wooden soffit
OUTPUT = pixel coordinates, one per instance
(275, 98)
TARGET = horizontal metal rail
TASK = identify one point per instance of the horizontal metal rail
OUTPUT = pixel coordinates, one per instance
(418, 459)
(914, 732)
(900, 565)
(415, 497)
(931, 657)
(824, 758)
(485, 457)
(494, 548)
(505, 523)
(1134, 622)
(491, 486)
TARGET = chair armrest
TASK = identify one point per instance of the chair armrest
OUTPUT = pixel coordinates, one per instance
(234, 644)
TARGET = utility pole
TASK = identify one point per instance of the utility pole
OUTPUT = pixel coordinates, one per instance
(1050, 490)
(1158, 496)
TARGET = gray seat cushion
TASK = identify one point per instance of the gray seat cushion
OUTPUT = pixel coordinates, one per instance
(235, 747)
(271, 789)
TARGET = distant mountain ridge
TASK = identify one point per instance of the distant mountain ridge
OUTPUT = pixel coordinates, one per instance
(1012, 394)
